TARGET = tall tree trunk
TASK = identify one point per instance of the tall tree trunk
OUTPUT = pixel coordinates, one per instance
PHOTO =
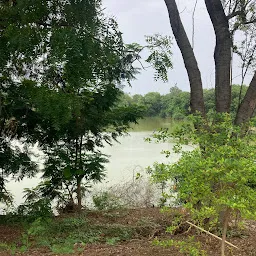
(196, 95)
(248, 104)
(222, 55)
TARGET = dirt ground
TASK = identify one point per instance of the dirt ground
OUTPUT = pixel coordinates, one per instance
(142, 244)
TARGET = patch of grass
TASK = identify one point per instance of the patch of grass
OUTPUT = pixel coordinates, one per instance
(4, 246)
(112, 241)
(123, 232)
(62, 248)
(189, 247)
(68, 235)
(12, 249)
(113, 215)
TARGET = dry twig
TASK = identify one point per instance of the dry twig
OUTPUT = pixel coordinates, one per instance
(209, 233)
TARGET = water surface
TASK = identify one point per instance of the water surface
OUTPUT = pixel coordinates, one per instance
(128, 157)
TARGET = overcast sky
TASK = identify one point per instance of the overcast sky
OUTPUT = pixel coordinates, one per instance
(137, 18)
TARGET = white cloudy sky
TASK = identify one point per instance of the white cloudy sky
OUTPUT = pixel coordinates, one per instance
(137, 18)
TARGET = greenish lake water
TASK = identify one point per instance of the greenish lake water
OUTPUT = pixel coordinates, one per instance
(154, 123)
(128, 157)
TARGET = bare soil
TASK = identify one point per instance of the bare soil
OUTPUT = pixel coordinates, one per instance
(150, 224)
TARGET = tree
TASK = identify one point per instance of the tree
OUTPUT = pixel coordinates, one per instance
(236, 94)
(62, 66)
(227, 18)
(152, 101)
(75, 157)
(176, 103)
(61, 69)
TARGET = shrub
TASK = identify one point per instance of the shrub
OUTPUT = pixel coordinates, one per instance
(215, 180)
(106, 201)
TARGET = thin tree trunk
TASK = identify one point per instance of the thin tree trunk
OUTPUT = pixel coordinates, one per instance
(80, 152)
(248, 104)
(2, 121)
(0, 106)
(79, 194)
(196, 95)
(76, 154)
(224, 232)
(79, 179)
(222, 55)
(70, 193)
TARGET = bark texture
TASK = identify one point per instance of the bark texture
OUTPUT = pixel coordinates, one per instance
(196, 98)
(222, 55)
(248, 104)
(79, 194)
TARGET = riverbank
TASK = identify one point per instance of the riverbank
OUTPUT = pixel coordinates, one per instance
(118, 232)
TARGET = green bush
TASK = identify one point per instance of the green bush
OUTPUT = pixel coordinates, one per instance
(36, 209)
(188, 247)
(106, 201)
(216, 179)
(29, 212)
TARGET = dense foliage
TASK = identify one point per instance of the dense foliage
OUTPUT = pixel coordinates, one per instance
(61, 69)
(176, 104)
(214, 180)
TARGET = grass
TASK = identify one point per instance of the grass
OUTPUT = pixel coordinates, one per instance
(71, 234)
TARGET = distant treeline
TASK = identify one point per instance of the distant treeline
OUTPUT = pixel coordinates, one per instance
(175, 104)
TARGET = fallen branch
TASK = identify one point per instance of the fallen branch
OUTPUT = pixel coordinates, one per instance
(209, 233)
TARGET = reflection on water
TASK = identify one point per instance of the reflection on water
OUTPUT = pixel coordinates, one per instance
(154, 123)
(128, 157)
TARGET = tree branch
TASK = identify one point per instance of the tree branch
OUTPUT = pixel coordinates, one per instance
(193, 24)
(249, 22)
(234, 14)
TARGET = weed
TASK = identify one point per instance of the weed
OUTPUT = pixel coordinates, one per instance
(123, 232)
(62, 248)
(13, 249)
(4, 246)
(189, 247)
(112, 241)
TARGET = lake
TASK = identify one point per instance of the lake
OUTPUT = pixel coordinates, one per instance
(127, 158)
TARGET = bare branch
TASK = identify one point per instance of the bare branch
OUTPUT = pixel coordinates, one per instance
(249, 22)
(234, 14)
(193, 25)
(209, 233)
